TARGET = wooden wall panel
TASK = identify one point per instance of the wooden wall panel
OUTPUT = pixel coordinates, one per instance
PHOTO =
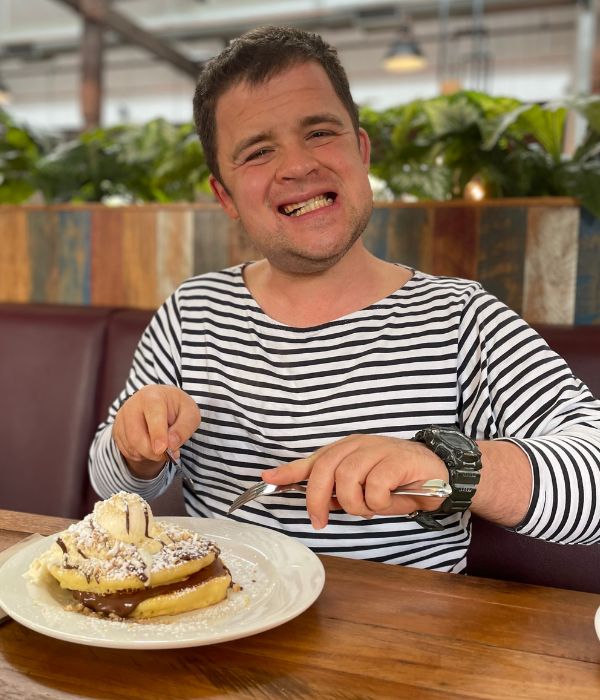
(15, 261)
(211, 241)
(375, 236)
(455, 241)
(410, 237)
(139, 249)
(501, 263)
(44, 242)
(74, 257)
(541, 257)
(175, 249)
(551, 265)
(107, 280)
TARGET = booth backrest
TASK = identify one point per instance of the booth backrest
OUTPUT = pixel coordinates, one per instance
(123, 333)
(62, 366)
(501, 554)
(50, 360)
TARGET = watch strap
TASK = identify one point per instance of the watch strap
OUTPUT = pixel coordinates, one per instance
(464, 466)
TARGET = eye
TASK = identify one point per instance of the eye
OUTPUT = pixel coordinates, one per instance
(257, 154)
(320, 133)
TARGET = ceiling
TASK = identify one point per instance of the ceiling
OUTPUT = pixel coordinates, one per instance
(532, 49)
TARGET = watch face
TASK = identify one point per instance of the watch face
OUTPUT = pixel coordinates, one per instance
(456, 440)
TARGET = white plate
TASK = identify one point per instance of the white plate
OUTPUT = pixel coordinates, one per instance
(597, 622)
(280, 578)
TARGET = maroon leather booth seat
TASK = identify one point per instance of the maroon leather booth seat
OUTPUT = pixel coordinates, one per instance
(505, 555)
(50, 359)
(123, 333)
(61, 367)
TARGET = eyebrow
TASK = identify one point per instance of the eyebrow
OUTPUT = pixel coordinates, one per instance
(311, 120)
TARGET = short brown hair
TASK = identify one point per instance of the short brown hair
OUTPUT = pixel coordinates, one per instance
(255, 57)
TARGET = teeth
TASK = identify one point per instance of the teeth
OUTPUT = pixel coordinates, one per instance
(309, 205)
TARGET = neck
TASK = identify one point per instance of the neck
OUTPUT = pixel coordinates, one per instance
(303, 300)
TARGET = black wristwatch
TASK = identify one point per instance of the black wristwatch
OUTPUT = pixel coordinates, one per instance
(463, 460)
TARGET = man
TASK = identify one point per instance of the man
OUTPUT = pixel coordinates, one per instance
(322, 362)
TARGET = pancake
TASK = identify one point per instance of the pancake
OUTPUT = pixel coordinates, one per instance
(119, 562)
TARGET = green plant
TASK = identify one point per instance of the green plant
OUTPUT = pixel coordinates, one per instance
(20, 151)
(425, 149)
(154, 162)
(431, 149)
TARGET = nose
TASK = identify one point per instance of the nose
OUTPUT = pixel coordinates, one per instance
(296, 162)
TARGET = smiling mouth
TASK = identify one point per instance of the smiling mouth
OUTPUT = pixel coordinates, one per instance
(299, 208)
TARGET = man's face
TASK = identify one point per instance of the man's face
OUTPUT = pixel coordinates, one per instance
(295, 172)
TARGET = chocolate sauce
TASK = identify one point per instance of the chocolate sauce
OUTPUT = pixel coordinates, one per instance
(66, 564)
(126, 517)
(124, 603)
(147, 520)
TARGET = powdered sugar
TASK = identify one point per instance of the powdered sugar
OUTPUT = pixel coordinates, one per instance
(98, 556)
(253, 582)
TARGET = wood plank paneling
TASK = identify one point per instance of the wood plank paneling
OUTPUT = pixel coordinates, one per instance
(211, 241)
(410, 235)
(175, 249)
(74, 257)
(140, 271)
(551, 265)
(15, 262)
(455, 242)
(501, 262)
(107, 281)
(538, 256)
(44, 242)
(375, 236)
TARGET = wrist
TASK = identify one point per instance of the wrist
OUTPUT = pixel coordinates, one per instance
(462, 458)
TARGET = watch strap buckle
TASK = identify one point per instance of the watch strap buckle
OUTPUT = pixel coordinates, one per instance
(426, 520)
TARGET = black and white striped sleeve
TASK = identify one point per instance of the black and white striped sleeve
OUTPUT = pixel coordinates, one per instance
(513, 386)
(156, 361)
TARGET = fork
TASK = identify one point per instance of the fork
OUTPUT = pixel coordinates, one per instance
(433, 487)
(185, 475)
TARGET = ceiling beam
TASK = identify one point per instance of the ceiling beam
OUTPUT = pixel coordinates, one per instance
(100, 12)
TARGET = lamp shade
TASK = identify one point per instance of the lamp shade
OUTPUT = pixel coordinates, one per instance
(404, 54)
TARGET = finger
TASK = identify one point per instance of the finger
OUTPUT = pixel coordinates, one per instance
(154, 409)
(319, 490)
(334, 504)
(323, 478)
(378, 497)
(350, 477)
(130, 436)
(380, 481)
(298, 470)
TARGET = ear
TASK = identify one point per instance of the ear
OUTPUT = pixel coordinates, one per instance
(223, 197)
(364, 146)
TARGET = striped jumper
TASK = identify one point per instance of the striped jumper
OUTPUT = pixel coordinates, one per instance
(437, 351)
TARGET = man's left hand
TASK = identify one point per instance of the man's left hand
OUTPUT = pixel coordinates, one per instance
(362, 471)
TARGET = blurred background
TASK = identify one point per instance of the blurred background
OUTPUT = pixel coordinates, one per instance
(484, 119)
(143, 54)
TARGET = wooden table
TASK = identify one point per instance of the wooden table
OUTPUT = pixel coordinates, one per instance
(377, 631)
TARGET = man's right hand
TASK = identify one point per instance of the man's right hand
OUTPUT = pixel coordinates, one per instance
(155, 418)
